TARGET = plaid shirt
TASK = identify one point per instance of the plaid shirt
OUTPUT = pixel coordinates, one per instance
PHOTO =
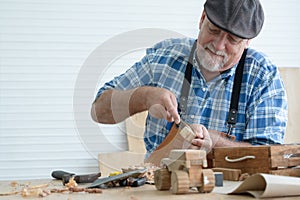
(262, 114)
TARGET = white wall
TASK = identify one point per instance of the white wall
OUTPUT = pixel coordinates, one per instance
(43, 46)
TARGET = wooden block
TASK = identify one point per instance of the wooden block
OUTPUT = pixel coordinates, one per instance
(229, 174)
(195, 176)
(248, 159)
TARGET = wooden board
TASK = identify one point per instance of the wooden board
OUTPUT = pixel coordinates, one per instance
(110, 162)
(291, 79)
(135, 127)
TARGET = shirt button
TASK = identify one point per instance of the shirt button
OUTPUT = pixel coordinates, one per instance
(204, 89)
(192, 116)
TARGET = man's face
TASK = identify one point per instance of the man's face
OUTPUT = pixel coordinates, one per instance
(218, 50)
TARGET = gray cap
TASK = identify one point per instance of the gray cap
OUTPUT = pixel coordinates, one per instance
(243, 18)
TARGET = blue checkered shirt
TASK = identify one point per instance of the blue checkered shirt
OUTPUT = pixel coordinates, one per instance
(262, 114)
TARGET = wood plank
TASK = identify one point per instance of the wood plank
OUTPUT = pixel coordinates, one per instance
(282, 155)
(260, 164)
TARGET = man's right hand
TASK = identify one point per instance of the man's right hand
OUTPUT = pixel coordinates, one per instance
(114, 106)
(161, 103)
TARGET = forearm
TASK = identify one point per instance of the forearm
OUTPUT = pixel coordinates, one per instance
(114, 106)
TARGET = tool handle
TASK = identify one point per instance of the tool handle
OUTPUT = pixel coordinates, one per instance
(139, 182)
(59, 174)
(88, 178)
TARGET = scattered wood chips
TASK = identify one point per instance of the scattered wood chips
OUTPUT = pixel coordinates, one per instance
(43, 190)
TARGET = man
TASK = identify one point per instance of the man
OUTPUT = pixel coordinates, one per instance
(157, 84)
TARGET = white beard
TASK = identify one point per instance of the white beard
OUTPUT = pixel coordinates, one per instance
(209, 62)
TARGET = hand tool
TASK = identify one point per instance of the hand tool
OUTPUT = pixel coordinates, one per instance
(133, 182)
(66, 176)
(102, 182)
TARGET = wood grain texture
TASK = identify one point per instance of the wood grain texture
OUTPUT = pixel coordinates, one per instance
(275, 159)
(261, 162)
(229, 174)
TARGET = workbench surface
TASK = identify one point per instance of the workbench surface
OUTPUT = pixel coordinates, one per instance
(128, 193)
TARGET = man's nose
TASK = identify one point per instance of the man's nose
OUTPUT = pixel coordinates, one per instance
(220, 42)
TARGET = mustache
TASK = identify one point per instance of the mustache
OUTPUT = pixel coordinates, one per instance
(212, 49)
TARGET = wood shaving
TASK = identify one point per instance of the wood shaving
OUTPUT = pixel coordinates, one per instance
(9, 193)
(35, 191)
(72, 183)
(43, 191)
(38, 192)
(149, 173)
(13, 184)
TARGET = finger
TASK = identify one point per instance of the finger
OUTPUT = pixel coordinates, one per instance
(169, 117)
(197, 142)
(172, 110)
(198, 130)
(199, 133)
(194, 147)
(175, 105)
(205, 132)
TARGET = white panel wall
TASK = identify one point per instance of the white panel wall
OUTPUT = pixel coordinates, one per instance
(43, 45)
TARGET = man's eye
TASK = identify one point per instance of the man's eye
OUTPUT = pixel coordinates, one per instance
(233, 40)
(214, 31)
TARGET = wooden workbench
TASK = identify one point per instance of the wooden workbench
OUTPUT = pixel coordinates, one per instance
(128, 193)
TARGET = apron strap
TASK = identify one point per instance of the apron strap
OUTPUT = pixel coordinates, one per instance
(185, 90)
(235, 97)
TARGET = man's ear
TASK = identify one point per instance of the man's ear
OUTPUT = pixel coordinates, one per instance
(202, 19)
(247, 43)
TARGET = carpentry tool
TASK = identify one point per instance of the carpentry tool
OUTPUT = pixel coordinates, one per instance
(66, 176)
(133, 182)
(120, 178)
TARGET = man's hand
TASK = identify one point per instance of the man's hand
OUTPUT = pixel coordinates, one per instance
(203, 140)
(208, 139)
(162, 103)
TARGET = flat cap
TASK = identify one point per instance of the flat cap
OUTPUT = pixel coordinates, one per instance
(243, 18)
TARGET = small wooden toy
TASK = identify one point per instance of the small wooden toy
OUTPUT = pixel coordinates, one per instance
(182, 170)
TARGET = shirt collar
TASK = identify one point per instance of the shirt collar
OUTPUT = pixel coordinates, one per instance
(229, 72)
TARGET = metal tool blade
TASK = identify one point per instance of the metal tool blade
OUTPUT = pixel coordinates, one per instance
(101, 181)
